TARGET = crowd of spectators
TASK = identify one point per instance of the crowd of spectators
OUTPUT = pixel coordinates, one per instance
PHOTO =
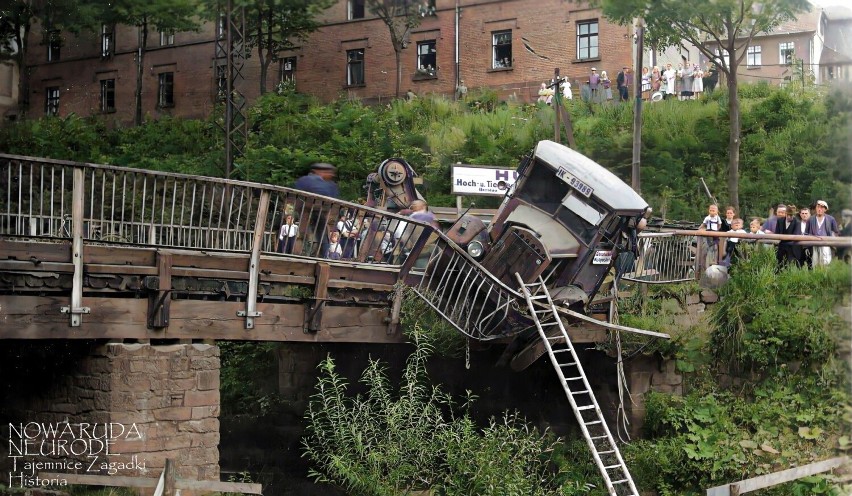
(811, 220)
(687, 81)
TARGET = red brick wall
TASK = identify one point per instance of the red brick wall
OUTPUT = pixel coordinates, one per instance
(547, 27)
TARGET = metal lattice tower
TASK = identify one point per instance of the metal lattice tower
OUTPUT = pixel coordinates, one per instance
(230, 59)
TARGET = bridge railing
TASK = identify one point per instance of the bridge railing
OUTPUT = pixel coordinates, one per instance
(84, 203)
(665, 257)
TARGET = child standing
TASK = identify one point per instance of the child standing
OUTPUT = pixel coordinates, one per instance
(712, 222)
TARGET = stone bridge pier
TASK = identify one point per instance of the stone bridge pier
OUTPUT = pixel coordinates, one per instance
(151, 402)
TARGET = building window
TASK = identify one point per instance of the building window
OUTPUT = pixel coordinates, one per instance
(54, 42)
(722, 56)
(106, 41)
(427, 8)
(355, 67)
(166, 90)
(753, 57)
(501, 44)
(786, 51)
(108, 95)
(287, 69)
(587, 40)
(167, 38)
(51, 101)
(427, 61)
(355, 9)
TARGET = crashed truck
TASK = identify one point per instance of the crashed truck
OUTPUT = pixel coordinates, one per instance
(562, 230)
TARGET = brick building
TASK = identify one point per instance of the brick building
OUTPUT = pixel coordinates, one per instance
(770, 55)
(509, 45)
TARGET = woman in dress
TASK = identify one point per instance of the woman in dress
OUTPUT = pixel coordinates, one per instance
(607, 84)
(646, 83)
(698, 82)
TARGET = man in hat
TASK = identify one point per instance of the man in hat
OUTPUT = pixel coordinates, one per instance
(823, 225)
(621, 82)
(319, 181)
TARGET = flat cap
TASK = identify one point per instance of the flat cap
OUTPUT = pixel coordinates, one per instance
(823, 203)
(322, 166)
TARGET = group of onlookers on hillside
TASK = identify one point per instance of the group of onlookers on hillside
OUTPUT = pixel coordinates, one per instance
(686, 82)
(783, 219)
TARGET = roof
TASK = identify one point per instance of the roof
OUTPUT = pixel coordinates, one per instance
(837, 45)
(837, 12)
(606, 186)
(805, 22)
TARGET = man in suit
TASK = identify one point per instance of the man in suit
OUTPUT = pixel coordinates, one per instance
(778, 224)
(822, 225)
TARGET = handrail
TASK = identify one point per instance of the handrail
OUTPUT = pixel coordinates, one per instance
(140, 207)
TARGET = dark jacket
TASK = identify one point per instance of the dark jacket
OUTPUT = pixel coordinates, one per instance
(313, 183)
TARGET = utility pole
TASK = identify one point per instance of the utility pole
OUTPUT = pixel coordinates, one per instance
(635, 182)
(231, 46)
(556, 97)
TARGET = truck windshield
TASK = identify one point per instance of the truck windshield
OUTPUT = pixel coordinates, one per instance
(545, 191)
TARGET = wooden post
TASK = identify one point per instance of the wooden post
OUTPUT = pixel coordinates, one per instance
(76, 308)
(169, 478)
(254, 265)
(556, 105)
(635, 182)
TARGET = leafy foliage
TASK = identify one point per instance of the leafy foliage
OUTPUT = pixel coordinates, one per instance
(386, 443)
(790, 318)
(767, 385)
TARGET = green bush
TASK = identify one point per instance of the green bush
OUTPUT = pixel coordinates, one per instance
(387, 443)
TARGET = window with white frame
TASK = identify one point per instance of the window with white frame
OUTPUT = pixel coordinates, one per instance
(722, 57)
(587, 40)
(166, 89)
(501, 49)
(287, 69)
(427, 60)
(167, 38)
(106, 40)
(51, 100)
(753, 56)
(108, 95)
(54, 43)
(786, 52)
(355, 9)
(355, 67)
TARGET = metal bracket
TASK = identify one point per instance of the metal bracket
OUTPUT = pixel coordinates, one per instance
(245, 313)
(75, 310)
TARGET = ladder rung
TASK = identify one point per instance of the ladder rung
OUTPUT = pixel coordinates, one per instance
(622, 481)
(567, 364)
(580, 392)
(573, 378)
(612, 466)
(604, 452)
(598, 437)
(563, 350)
(587, 407)
(594, 422)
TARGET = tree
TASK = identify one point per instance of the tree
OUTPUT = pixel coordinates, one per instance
(16, 21)
(275, 25)
(163, 15)
(729, 24)
(400, 17)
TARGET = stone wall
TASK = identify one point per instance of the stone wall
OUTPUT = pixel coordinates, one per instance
(147, 403)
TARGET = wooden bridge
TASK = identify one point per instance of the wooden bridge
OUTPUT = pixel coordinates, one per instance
(101, 252)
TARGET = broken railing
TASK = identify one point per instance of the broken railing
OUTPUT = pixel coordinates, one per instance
(55, 200)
